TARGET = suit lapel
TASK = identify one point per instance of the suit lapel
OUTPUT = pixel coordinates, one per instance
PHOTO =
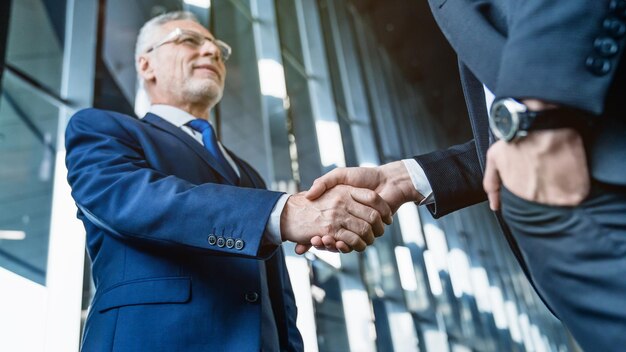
(189, 141)
(247, 176)
(477, 108)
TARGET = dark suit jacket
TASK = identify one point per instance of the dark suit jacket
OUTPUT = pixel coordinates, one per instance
(175, 249)
(565, 52)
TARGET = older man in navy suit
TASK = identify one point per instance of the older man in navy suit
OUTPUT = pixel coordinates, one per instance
(183, 236)
(544, 84)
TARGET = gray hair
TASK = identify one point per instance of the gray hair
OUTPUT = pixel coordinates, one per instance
(149, 28)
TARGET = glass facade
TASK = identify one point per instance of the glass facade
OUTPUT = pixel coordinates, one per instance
(308, 89)
(29, 119)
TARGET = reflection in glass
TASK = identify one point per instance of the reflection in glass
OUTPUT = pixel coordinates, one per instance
(28, 130)
(330, 144)
(35, 41)
(272, 78)
(329, 314)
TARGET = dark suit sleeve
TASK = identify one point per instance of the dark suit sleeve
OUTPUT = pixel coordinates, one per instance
(455, 177)
(565, 52)
(118, 191)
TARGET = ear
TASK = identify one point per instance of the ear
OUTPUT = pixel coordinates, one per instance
(145, 69)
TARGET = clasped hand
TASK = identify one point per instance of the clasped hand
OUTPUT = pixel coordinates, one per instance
(354, 216)
(382, 188)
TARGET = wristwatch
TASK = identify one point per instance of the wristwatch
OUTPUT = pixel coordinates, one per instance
(510, 119)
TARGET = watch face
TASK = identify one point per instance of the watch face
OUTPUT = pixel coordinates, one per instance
(503, 122)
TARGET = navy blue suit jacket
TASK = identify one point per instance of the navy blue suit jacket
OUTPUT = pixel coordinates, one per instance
(175, 249)
(565, 52)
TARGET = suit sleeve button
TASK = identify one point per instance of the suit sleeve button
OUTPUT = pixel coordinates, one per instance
(239, 244)
(230, 243)
(618, 7)
(252, 297)
(212, 240)
(598, 66)
(221, 241)
(606, 46)
(614, 27)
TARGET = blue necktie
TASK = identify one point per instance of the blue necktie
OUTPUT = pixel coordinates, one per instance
(210, 144)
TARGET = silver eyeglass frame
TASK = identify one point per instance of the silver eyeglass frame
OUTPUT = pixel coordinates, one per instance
(225, 49)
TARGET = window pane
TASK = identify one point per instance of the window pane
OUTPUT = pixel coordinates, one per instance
(35, 42)
(28, 130)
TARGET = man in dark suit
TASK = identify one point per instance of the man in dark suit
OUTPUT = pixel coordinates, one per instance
(184, 238)
(542, 82)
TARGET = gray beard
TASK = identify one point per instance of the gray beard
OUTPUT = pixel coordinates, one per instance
(200, 92)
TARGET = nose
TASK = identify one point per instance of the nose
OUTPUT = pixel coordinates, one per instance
(209, 48)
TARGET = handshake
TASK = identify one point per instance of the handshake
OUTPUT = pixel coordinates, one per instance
(347, 208)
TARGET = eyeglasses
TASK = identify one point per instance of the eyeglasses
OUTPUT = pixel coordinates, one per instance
(194, 40)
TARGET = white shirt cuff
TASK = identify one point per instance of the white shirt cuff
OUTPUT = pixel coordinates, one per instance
(272, 230)
(420, 182)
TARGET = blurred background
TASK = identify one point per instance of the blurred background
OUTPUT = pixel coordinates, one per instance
(312, 85)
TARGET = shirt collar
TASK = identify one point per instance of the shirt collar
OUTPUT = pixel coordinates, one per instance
(171, 114)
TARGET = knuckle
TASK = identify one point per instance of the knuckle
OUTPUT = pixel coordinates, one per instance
(365, 228)
(375, 217)
(369, 195)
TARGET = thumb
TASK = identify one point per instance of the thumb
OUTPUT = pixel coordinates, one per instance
(317, 189)
(326, 182)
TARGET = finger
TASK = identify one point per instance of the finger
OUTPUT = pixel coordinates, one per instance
(329, 243)
(360, 227)
(326, 182)
(373, 200)
(351, 239)
(371, 216)
(302, 248)
(343, 247)
(317, 242)
(492, 183)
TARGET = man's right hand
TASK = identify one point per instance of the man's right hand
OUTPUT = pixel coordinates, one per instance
(391, 181)
(351, 215)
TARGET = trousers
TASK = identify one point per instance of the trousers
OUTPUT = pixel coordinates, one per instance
(576, 257)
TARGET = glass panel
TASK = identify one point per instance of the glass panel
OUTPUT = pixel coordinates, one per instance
(241, 109)
(329, 314)
(28, 130)
(35, 43)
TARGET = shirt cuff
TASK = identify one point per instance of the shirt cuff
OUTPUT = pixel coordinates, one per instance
(272, 230)
(420, 182)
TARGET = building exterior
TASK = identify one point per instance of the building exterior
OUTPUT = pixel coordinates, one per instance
(309, 88)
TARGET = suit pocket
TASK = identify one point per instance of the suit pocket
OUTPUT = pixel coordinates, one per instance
(145, 291)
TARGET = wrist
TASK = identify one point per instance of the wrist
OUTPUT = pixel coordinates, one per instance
(396, 175)
(285, 223)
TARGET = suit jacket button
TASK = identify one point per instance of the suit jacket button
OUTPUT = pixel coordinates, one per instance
(598, 66)
(230, 243)
(618, 7)
(221, 241)
(212, 240)
(252, 297)
(606, 46)
(239, 244)
(614, 27)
